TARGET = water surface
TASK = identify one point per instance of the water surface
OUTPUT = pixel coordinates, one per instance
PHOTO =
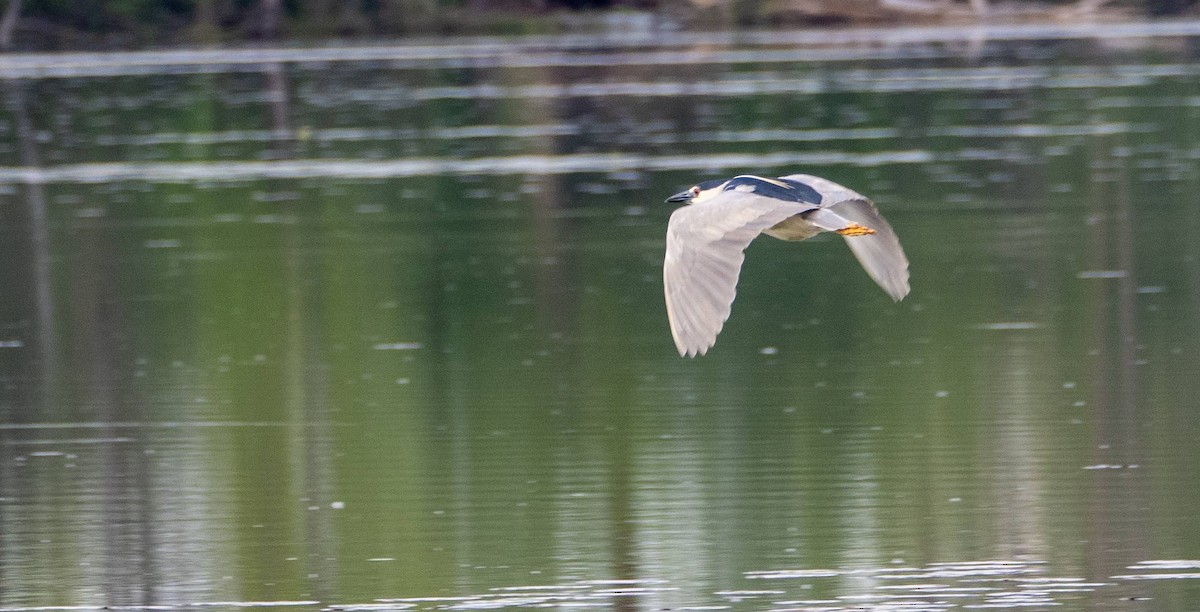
(382, 328)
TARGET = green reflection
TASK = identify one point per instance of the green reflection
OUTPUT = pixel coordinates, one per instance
(434, 386)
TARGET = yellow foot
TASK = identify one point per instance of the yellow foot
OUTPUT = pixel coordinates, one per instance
(855, 229)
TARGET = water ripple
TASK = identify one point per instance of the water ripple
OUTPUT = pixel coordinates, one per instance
(552, 51)
(182, 172)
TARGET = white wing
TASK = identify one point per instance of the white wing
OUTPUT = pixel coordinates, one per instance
(705, 245)
(880, 253)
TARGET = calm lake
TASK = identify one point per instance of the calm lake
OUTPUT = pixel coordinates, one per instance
(382, 327)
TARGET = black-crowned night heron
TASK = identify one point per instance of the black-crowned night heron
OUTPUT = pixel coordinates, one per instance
(706, 241)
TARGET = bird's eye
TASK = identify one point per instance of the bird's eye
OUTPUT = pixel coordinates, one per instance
(695, 191)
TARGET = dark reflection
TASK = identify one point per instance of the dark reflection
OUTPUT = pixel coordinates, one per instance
(1117, 514)
(449, 389)
(96, 383)
(42, 331)
(8, 23)
(311, 444)
(283, 134)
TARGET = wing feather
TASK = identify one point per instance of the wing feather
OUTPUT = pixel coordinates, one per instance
(880, 254)
(705, 250)
(830, 191)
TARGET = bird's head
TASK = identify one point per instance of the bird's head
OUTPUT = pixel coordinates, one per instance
(699, 192)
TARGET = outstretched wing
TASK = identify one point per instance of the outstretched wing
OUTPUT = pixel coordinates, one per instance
(705, 245)
(880, 253)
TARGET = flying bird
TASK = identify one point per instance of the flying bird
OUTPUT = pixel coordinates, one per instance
(706, 240)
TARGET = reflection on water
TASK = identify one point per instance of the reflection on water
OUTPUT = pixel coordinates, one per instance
(385, 330)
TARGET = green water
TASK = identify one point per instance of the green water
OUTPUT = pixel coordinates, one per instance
(272, 335)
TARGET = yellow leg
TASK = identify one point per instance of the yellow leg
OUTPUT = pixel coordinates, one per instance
(855, 229)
